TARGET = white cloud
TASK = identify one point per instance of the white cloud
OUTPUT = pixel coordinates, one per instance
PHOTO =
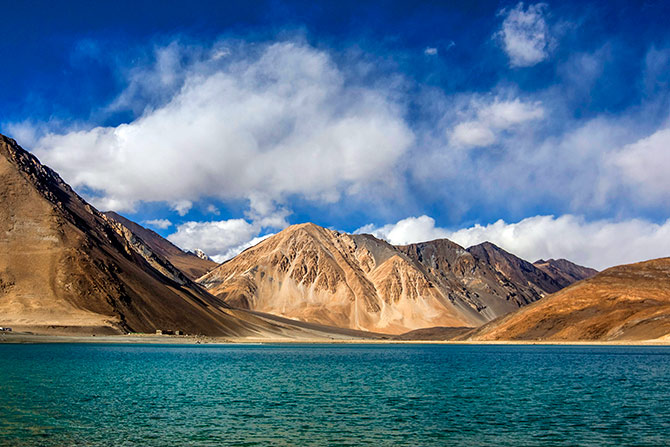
(472, 133)
(221, 240)
(506, 114)
(550, 161)
(489, 119)
(407, 231)
(276, 124)
(158, 223)
(430, 51)
(524, 35)
(276, 121)
(224, 239)
(211, 209)
(264, 213)
(599, 244)
(182, 207)
(646, 165)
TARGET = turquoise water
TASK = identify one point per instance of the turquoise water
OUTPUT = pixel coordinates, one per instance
(156, 395)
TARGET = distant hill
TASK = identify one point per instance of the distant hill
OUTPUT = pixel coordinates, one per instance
(496, 281)
(310, 273)
(192, 264)
(627, 302)
(564, 271)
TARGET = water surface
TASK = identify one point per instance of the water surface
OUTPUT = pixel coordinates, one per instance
(158, 395)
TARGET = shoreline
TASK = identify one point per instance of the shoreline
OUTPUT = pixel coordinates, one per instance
(151, 339)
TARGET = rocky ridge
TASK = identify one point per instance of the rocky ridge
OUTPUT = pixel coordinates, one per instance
(310, 273)
(563, 271)
(191, 264)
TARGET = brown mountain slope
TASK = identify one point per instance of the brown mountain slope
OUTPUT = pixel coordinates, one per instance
(564, 271)
(65, 266)
(628, 302)
(189, 263)
(313, 274)
(495, 281)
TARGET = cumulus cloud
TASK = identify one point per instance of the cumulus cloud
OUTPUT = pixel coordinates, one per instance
(407, 231)
(473, 133)
(221, 240)
(645, 164)
(182, 207)
(524, 34)
(275, 124)
(543, 158)
(599, 244)
(158, 223)
(489, 119)
(280, 120)
(430, 51)
(505, 114)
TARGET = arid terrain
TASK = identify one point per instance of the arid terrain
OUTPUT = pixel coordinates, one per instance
(310, 273)
(627, 302)
(67, 269)
(189, 263)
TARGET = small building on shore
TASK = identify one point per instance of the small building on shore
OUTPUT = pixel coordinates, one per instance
(168, 332)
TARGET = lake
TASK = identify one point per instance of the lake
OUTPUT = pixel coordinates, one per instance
(210, 395)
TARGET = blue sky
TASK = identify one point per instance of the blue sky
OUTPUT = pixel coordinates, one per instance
(540, 126)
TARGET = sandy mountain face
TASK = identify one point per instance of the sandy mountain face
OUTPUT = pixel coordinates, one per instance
(628, 302)
(194, 265)
(564, 271)
(66, 267)
(313, 274)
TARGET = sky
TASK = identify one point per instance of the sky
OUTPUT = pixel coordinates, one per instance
(541, 127)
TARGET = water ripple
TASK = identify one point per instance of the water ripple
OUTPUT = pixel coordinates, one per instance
(115, 395)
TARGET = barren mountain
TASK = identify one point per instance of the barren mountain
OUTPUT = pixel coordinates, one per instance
(194, 265)
(496, 281)
(564, 271)
(313, 274)
(66, 267)
(628, 302)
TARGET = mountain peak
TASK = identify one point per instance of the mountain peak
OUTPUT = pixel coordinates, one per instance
(444, 242)
(563, 271)
(313, 274)
(309, 227)
(318, 275)
(201, 254)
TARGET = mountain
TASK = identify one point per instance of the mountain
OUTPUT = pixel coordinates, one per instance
(65, 267)
(564, 271)
(310, 273)
(628, 302)
(194, 265)
(496, 280)
(201, 254)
